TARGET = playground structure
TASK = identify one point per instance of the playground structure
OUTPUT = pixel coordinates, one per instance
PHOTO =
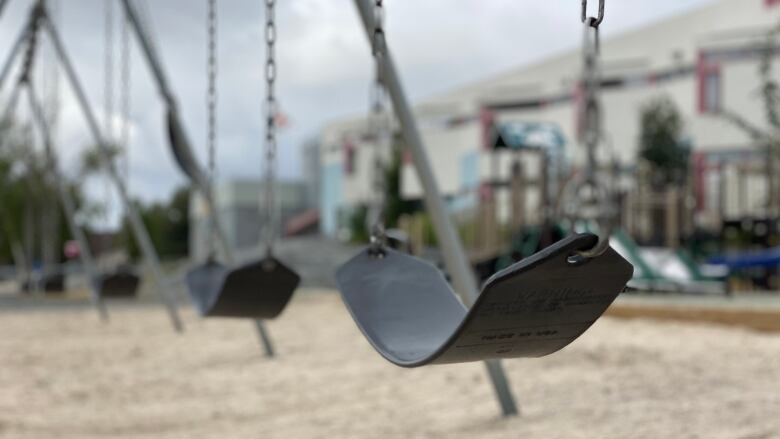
(405, 307)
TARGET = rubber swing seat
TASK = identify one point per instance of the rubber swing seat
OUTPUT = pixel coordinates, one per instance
(258, 290)
(122, 283)
(408, 312)
(53, 283)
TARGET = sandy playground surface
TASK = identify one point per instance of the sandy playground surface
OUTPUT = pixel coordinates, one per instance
(64, 375)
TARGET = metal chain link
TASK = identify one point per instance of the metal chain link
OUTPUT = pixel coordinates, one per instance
(590, 83)
(211, 94)
(592, 21)
(32, 46)
(270, 128)
(379, 126)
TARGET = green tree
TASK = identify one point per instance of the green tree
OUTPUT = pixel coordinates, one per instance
(26, 183)
(661, 143)
(395, 205)
(167, 224)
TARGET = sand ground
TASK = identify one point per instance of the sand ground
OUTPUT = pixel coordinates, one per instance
(65, 375)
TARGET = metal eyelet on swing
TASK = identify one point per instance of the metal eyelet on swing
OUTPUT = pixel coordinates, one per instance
(376, 249)
(582, 256)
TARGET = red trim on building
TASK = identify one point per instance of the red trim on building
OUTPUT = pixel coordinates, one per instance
(485, 191)
(578, 98)
(349, 157)
(700, 180)
(705, 70)
(487, 119)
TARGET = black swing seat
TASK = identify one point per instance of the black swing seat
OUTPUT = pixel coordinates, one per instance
(123, 283)
(408, 312)
(53, 283)
(258, 290)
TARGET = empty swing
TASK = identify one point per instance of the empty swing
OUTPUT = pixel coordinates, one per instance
(122, 281)
(261, 288)
(410, 314)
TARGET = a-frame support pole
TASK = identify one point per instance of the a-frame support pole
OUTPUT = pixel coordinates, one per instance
(458, 266)
(3, 3)
(139, 230)
(17, 46)
(194, 172)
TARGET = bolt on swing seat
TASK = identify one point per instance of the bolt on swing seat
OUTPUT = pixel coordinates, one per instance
(259, 290)
(410, 314)
(122, 283)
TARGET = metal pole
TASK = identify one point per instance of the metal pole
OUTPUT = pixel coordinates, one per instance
(67, 203)
(200, 181)
(23, 35)
(141, 235)
(458, 266)
(9, 108)
(3, 3)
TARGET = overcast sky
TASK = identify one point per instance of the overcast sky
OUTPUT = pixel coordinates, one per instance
(324, 66)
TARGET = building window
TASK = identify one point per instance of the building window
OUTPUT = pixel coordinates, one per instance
(712, 92)
(710, 86)
(349, 158)
(469, 171)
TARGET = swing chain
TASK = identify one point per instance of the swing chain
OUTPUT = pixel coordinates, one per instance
(32, 46)
(594, 196)
(125, 103)
(211, 104)
(29, 59)
(270, 128)
(211, 94)
(590, 83)
(378, 123)
(108, 78)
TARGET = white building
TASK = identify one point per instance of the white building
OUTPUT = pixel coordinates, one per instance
(242, 211)
(703, 60)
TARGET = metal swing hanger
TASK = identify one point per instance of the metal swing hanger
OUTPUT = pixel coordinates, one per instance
(410, 314)
(591, 193)
(381, 133)
(260, 289)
